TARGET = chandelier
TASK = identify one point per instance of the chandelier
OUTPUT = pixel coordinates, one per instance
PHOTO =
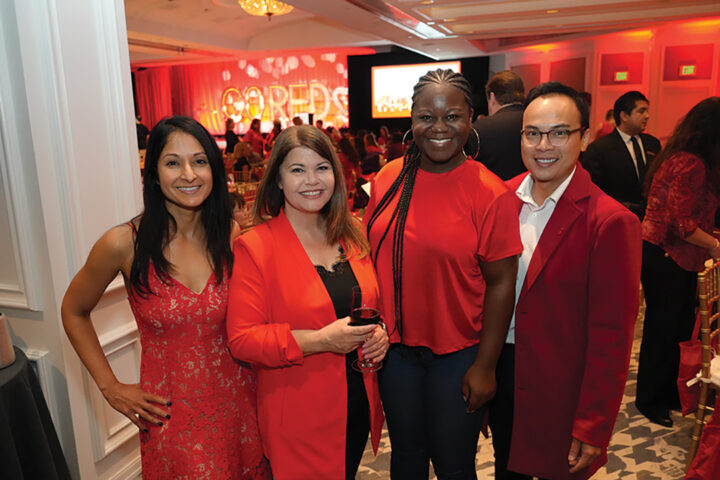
(265, 7)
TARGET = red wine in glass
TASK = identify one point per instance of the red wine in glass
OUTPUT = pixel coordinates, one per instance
(364, 316)
(363, 312)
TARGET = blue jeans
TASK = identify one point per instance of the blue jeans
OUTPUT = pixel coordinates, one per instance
(425, 412)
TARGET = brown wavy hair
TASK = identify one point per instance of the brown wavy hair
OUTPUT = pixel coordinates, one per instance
(697, 133)
(339, 222)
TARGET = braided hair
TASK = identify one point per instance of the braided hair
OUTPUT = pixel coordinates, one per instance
(404, 184)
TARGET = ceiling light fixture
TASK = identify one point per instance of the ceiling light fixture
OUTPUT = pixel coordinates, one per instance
(267, 8)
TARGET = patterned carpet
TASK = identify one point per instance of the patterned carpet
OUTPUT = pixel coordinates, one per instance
(638, 450)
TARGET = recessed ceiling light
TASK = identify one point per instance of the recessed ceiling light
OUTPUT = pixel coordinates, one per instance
(448, 20)
(552, 11)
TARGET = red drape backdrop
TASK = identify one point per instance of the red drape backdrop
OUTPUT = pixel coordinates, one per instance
(267, 88)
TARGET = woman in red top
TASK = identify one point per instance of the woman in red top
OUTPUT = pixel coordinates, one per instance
(607, 126)
(255, 138)
(371, 144)
(444, 236)
(288, 314)
(383, 138)
(683, 200)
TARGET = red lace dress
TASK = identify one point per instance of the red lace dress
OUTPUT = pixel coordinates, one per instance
(212, 432)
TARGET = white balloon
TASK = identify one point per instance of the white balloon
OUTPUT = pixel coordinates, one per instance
(308, 60)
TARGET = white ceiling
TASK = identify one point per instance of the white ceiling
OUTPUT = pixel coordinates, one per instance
(179, 31)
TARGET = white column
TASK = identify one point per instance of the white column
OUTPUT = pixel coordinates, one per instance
(71, 156)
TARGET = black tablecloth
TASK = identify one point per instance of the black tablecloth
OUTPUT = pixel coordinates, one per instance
(29, 447)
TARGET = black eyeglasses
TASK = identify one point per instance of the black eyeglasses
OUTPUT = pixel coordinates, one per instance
(556, 136)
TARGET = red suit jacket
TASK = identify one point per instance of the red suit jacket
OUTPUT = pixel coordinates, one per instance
(302, 401)
(574, 324)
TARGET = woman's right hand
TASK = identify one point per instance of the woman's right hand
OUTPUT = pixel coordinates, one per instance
(135, 403)
(340, 337)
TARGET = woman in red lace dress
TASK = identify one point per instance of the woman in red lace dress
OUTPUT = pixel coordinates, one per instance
(194, 405)
(677, 236)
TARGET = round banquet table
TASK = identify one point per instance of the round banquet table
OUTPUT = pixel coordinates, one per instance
(29, 446)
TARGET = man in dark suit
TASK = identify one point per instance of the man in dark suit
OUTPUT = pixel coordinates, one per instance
(142, 133)
(499, 133)
(617, 162)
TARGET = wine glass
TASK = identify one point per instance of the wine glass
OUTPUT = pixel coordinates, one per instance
(363, 311)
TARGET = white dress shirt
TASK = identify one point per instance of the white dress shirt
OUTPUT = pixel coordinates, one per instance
(628, 144)
(533, 219)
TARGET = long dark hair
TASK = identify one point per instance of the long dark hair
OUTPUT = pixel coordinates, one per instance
(340, 223)
(157, 225)
(406, 180)
(698, 133)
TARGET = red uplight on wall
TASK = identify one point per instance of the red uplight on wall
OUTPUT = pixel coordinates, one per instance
(687, 70)
(621, 76)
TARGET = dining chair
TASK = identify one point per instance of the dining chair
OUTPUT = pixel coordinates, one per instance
(709, 309)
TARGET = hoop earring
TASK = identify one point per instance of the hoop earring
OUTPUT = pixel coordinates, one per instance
(405, 140)
(477, 144)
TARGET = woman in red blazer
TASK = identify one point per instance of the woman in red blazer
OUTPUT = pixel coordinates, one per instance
(288, 314)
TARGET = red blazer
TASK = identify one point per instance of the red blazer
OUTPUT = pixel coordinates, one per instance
(574, 324)
(302, 401)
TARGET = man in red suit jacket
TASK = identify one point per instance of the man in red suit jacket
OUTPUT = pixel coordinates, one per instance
(562, 373)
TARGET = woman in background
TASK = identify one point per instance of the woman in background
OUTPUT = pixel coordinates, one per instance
(374, 157)
(288, 314)
(195, 406)
(241, 212)
(255, 139)
(607, 126)
(444, 237)
(677, 235)
(383, 138)
(240, 158)
(371, 144)
(272, 136)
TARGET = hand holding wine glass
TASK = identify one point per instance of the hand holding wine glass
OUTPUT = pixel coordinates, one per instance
(364, 312)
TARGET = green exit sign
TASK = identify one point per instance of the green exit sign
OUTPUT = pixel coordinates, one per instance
(687, 70)
(621, 76)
